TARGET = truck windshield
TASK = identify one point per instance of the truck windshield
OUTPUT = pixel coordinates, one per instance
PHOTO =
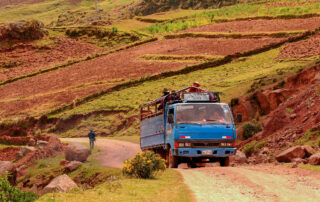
(203, 114)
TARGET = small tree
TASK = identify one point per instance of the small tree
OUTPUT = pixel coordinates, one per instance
(144, 165)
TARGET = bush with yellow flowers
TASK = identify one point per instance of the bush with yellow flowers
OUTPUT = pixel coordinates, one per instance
(144, 165)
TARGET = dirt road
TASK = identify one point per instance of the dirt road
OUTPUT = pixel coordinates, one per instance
(115, 152)
(253, 183)
(242, 183)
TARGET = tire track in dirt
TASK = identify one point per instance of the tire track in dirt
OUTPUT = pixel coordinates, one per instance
(253, 183)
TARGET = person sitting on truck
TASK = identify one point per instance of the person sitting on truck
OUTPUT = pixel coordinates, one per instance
(165, 93)
(195, 88)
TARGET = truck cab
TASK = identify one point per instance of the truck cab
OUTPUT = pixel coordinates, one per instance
(193, 129)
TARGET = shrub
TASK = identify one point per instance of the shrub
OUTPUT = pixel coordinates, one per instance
(249, 129)
(144, 165)
(9, 193)
(249, 148)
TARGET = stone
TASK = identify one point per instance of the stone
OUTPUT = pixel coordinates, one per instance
(24, 151)
(76, 152)
(265, 150)
(63, 183)
(5, 166)
(293, 116)
(73, 165)
(41, 144)
(240, 157)
(309, 150)
(297, 160)
(63, 162)
(314, 159)
(291, 153)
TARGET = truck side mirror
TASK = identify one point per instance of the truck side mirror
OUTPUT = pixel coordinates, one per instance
(170, 119)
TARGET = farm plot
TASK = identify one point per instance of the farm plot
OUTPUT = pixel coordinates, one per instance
(260, 25)
(26, 58)
(302, 49)
(51, 89)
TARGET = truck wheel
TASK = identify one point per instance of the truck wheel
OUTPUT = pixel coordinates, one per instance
(224, 162)
(191, 165)
(172, 160)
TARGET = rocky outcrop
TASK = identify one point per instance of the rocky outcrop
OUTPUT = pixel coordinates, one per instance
(41, 144)
(240, 157)
(314, 159)
(63, 183)
(71, 166)
(5, 166)
(24, 151)
(291, 153)
(309, 150)
(76, 152)
(21, 30)
(52, 149)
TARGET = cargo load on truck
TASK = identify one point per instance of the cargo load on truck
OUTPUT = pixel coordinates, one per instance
(188, 126)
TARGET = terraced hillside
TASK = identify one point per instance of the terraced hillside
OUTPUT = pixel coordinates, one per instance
(226, 56)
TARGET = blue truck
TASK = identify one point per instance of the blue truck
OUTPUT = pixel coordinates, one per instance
(189, 126)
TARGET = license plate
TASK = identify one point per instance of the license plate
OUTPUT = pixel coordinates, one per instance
(206, 152)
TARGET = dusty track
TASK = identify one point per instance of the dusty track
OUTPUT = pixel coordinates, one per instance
(115, 152)
(253, 183)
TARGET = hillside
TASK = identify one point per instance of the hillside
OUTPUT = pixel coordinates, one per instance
(64, 72)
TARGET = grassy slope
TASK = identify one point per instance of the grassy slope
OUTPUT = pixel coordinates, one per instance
(232, 79)
(49, 10)
(167, 187)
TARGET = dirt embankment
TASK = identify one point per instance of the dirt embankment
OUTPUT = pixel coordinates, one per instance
(253, 183)
(291, 109)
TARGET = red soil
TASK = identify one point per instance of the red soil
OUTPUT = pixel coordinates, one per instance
(4, 3)
(8, 154)
(302, 49)
(281, 128)
(261, 25)
(44, 88)
(34, 59)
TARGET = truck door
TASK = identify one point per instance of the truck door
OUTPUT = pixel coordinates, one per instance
(170, 129)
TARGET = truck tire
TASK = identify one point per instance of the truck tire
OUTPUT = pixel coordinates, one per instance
(172, 160)
(191, 165)
(224, 162)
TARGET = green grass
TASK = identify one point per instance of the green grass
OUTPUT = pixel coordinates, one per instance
(311, 138)
(49, 10)
(3, 146)
(182, 58)
(233, 79)
(232, 13)
(252, 146)
(166, 187)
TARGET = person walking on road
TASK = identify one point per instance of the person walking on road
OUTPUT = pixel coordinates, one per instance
(92, 138)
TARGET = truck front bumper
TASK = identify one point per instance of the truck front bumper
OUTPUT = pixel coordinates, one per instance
(204, 152)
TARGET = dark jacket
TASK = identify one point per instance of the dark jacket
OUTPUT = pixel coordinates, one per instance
(92, 135)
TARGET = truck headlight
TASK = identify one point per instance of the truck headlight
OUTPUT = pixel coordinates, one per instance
(187, 144)
(223, 144)
(229, 144)
(181, 144)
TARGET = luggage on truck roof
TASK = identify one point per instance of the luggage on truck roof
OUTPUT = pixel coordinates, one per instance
(189, 94)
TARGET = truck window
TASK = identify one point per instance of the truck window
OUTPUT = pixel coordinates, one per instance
(203, 114)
